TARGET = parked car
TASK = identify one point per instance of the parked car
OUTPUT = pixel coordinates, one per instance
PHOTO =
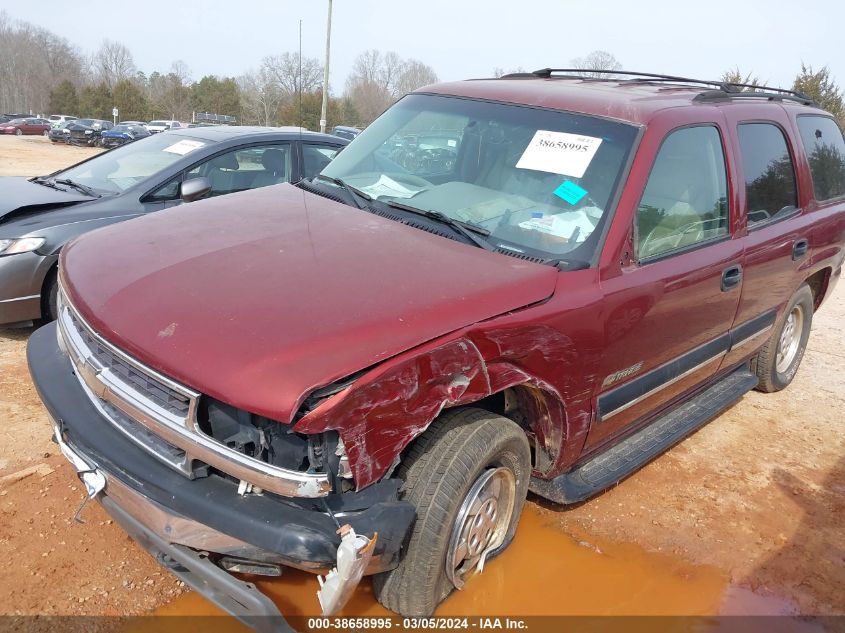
(122, 134)
(605, 266)
(38, 216)
(345, 131)
(10, 117)
(154, 127)
(87, 131)
(26, 126)
(60, 133)
(57, 119)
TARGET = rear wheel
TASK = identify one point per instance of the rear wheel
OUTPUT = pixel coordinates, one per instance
(46, 132)
(780, 357)
(18, 132)
(467, 477)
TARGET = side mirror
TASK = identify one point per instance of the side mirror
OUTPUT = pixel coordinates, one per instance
(194, 189)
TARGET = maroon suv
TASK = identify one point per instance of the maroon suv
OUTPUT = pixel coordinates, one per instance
(538, 282)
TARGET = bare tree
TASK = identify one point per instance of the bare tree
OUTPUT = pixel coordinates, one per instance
(498, 71)
(261, 96)
(33, 61)
(378, 79)
(180, 70)
(284, 69)
(597, 60)
(415, 75)
(170, 95)
(113, 63)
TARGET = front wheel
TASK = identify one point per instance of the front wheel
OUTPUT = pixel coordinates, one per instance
(779, 358)
(50, 297)
(46, 133)
(18, 132)
(467, 476)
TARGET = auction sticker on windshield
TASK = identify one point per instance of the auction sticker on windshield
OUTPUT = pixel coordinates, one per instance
(183, 147)
(559, 153)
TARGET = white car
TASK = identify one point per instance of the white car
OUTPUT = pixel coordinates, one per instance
(154, 127)
(57, 119)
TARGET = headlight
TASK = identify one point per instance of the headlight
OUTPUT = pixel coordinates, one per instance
(22, 245)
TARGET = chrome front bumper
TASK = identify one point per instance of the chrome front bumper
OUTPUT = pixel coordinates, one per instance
(163, 522)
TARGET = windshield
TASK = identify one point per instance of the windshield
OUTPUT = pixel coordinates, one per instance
(121, 168)
(539, 181)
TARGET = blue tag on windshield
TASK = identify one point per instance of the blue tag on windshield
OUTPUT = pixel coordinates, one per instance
(570, 192)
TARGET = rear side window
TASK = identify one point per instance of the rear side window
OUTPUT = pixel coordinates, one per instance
(825, 150)
(769, 174)
(685, 199)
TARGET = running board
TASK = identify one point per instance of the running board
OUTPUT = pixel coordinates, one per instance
(619, 461)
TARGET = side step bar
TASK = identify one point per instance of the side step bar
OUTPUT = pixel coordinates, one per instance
(619, 461)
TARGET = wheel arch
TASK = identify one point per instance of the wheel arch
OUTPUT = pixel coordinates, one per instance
(819, 283)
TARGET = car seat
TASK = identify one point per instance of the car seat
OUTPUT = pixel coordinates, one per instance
(313, 161)
(275, 168)
(221, 173)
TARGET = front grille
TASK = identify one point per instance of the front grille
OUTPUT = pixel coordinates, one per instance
(144, 384)
(160, 415)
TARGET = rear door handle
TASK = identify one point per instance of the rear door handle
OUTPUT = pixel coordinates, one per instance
(799, 249)
(731, 277)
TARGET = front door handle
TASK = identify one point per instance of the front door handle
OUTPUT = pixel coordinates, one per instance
(799, 249)
(731, 277)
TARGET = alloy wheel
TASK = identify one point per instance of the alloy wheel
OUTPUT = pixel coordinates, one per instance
(481, 524)
(790, 339)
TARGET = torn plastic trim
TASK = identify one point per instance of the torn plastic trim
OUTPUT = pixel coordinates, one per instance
(353, 557)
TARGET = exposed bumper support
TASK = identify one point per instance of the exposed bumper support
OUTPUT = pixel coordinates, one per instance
(241, 599)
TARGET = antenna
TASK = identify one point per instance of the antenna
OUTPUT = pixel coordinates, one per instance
(300, 80)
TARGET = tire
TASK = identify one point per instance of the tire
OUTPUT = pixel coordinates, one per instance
(50, 297)
(46, 133)
(776, 363)
(462, 449)
(18, 132)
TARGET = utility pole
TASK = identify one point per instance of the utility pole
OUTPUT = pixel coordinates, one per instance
(326, 72)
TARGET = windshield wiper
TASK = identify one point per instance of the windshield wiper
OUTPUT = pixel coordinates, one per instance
(83, 188)
(472, 232)
(352, 191)
(43, 180)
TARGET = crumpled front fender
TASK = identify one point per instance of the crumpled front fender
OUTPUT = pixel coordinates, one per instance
(387, 408)
(383, 411)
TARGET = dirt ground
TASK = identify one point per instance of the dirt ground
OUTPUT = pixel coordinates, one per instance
(746, 516)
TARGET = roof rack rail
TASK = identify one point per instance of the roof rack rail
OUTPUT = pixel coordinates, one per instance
(718, 95)
(723, 89)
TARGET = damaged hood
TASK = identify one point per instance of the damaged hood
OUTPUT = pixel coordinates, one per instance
(258, 298)
(18, 196)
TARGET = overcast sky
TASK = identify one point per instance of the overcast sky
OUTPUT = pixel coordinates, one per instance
(464, 38)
